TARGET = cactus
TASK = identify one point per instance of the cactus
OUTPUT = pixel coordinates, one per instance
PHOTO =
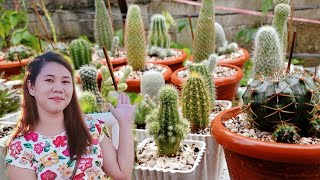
(267, 55)
(222, 45)
(88, 102)
(9, 99)
(204, 40)
(144, 107)
(203, 71)
(135, 38)
(115, 46)
(285, 133)
(103, 33)
(164, 123)
(211, 63)
(279, 22)
(292, 99)
(195, 102)
(60, 47)
(151, 83)
(158, 34)
(160, 52)
(88, 76)
(20, 50)
(276, 2)
(81, 52)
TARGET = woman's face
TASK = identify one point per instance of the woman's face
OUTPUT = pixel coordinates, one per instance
(52, 89)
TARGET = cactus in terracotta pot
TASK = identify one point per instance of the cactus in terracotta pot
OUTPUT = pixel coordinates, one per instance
(204, 40)
(81, 52)
(151, 83)
(135, 43)
(158, 33)
(222, 45)
(165, 124)
(103, 33)
(88, 102)
(143, 109)
(20, 50)
(196, 102)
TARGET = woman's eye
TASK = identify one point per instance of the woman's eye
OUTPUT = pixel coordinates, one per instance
(65, 82)
(49, 80)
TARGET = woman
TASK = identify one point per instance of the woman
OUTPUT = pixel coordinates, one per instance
(54, 140)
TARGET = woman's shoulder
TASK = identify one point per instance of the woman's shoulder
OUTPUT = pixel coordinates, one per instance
(31, 137)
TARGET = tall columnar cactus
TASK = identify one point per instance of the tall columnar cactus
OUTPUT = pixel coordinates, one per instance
(204, 40)
(151, 83)
(195, 102)
(164, 123)
(115, 46)
(135, 42)
(222, 45)
(267, 55)
(81, 52)
(279, 22)
(88, 76)
(158, 33)
(20, 50)
(103, 33)
(88, 102)
(203, 71)
(285, 105)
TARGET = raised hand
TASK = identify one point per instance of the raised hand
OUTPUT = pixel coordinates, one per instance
(124, 112)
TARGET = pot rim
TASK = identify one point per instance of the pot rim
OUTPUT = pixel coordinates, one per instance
(173, 60)
(237, 61)
(270, 151)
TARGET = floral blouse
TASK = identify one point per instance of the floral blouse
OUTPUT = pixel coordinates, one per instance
(49, 156)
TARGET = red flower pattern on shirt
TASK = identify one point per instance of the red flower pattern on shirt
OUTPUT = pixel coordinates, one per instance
(31, 136)
(48, 175)
(60, 141)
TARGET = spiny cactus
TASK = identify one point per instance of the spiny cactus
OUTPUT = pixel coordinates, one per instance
(103, 33)
(144, 107)
(285, 133)
(151, 83)
(88, 102)
(276, 2)
(9, 99)
(158, 33)
(81, 52)
(204, 40)
(160, 52)
(107, 84)
(222, 45)
(292, 99)
(211, 63)
(115, 46)
(20, 50)
(164, 123)
(267, 55)
(88, 76)
(203, 71)
(195, 102)
(135, 38)
(279, 22)
(60, 47)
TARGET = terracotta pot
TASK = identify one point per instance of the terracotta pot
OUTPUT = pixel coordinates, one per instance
(226, 87)
(134, 84)
(117, 62)
(174, 63)
(248, 158)
(12, 68)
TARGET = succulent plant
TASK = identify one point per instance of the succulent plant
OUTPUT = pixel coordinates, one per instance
(135, 42)
(204, 40)
(158, 33)
(115, 46)
(279, 22)
(160, 52)
(103, 33)
(151, 83)
(267, 55)
(164, 123)
(276, 2)
(88, 76)
(143, 108)
(20, 50)
(60, 47)
(9, 99)
(222, 45)
(277, 103)
(195, 102)
(211, 63)
(88, 102)
(81, 52)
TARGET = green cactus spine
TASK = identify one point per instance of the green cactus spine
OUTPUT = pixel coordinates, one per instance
(103, 33)
(195, 102)
(267, 55)
(151, 83)
(203, 71)
(279, 22)
(276, 2)
(135, 42)
(115, 46)
(164, 123)
(204, 40)
(285, 133)
(81, 52)
(88, 102)
(158, 34)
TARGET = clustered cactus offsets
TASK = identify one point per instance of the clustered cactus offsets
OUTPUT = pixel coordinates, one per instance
(289, 106)
(165, 124)
(20, 50)
(222, 45)
(151, 82)
(81, 52)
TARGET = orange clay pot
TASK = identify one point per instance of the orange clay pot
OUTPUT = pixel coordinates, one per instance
(116, 62)
(12, 68)
(134, 84)
(226, 87)
(250, 159)
(174, 63)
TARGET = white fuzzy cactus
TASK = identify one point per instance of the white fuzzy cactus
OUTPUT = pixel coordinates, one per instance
(151, 83)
